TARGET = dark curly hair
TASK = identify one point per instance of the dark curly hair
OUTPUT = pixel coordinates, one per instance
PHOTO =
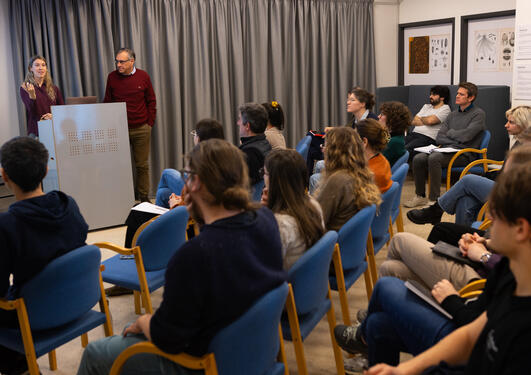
(398, 117)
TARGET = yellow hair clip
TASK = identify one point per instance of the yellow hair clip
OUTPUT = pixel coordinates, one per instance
(274, 104)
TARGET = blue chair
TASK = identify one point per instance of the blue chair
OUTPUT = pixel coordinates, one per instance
(304, 146)
(350, 257)
(55, 306)
(401, 160)
(151, 251)
(248, 346)
(379, 233)
(309, 299)
(256, 191)
(396, 210)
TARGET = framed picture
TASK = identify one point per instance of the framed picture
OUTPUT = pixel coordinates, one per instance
(425, 52)
(487, 48)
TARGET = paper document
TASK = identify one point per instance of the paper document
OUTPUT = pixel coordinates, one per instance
(151, 208)
(425, 294)
(431, 148)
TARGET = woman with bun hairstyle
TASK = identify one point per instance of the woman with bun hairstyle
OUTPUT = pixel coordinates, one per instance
(375, 137)
(38, 94)
(275, 124)
(299, 216)
(397, 118)
(347, 183)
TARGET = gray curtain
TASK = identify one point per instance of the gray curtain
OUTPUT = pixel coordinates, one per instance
(206, 57)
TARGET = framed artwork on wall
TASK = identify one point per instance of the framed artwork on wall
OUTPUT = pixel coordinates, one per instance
(487, 48)
(425, 52)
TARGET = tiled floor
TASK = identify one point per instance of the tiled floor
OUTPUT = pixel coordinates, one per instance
(319, 355)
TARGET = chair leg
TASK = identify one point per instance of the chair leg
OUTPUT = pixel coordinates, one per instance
(136, 296)
(296, 332)
(281, 352)
(391, 232)
(104, 308)
(52, 359)
(368, 282)
(371, 259)
(399, 220)
(27, 338)
(341, 287)
(146, 302)
(332, 323)
(84, 340)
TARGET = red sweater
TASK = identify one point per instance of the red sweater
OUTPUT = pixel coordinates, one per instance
(137, 93)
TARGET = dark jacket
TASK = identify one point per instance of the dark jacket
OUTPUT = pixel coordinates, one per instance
(256, 149)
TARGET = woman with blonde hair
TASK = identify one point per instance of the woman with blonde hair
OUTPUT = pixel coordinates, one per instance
(347, 184)
(38, 94)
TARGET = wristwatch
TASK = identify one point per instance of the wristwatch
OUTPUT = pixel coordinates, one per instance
(484, 258)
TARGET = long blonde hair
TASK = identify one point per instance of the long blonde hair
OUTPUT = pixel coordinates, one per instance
(344, 151)
(47, 78)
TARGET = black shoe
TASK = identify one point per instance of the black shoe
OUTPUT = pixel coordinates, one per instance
(431, 214)
(144, 198)
(361, 315)
(349, 339)
(116, 290)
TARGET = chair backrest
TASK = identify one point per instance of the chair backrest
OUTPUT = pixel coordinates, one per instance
(251, 343)
(64, 290)
(161, 239)
(380, 224)
(256, 191)
(400, 161)
(399, 176)
(352, 237)
(485, 140)
(309, 275)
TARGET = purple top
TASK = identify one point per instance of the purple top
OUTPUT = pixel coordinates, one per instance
(39, 106)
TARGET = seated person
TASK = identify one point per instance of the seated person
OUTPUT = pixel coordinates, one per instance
(463, 128)
(396, 117)
(359, 104)
(275, 124)
(497, 341)
(299, 216)
(428, 121)
(347, 184)
(252, 122)
(375, 136)
(36, 229)
(466, 197)
(171, 181)
(236, 259)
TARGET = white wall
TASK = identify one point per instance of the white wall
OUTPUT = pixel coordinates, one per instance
(8, 89)
(523, 17)
(386, 42)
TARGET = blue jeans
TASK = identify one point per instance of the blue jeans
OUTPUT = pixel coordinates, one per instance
(316, 176)
(170, 182)
(399, 321)
(465, 198)
(99, 356)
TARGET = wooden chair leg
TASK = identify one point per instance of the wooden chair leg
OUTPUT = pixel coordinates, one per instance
(399, 220)
(84, 340)
(136, 296)
(104, 308)
(27, 338)
(146, 302)
(391, 232)
(281, 352)
(296, 332)
(341, 287)
(368, 282)
(332, 323)
(371, 259)
(52, 359)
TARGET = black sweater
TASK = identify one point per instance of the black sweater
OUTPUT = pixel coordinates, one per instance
(215, 277)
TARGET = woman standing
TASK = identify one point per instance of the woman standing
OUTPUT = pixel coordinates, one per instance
(39, 93)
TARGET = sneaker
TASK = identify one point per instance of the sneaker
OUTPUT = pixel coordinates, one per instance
(416, 201)
(358, 364)
(116, 290)
(361, 315)
(349, 339)
(431, 214)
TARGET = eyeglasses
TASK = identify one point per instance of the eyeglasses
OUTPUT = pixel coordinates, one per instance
(121, 61)
(186, 174)
(194, 133)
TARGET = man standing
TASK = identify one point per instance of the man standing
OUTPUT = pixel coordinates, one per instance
(462, 129)
(252, 121)
(428, 121)
(133, 86)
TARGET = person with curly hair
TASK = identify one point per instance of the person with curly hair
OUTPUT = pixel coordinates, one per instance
(397, 118)
(347, 183)
(375, 138)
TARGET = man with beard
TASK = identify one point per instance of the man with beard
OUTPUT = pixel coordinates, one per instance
(214, 277)
(428, 121)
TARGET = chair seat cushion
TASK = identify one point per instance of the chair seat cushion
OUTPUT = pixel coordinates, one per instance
(350, 276)
(47, 340)
(123, 272)
(307, 322)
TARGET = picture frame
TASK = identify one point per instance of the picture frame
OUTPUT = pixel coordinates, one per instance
(416, 66)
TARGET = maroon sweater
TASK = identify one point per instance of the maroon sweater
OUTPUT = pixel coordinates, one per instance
(39, 106)
(137, 93)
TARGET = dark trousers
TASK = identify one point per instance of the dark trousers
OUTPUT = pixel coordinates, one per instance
(10, 360)
(451, 233)
(414, 140)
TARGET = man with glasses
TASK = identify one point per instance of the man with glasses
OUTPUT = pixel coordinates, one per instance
(133, 86)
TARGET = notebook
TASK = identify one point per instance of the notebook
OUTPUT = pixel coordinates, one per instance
(452, 252)
(423, 292)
